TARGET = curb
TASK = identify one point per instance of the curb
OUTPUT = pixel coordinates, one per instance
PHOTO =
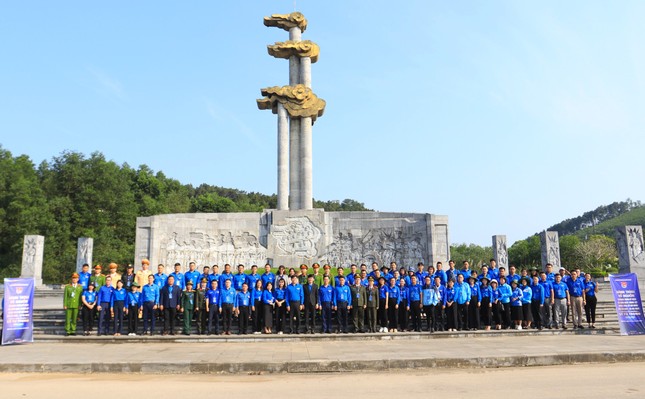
(124, 339)
(323, 366)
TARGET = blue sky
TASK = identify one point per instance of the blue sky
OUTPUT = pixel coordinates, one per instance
(506, 116)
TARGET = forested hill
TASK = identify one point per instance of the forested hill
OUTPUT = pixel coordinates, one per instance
(587, 241)
(589, 220)
(74, 195)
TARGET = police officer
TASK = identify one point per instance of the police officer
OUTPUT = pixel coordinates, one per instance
(359, 304)
(71, 302)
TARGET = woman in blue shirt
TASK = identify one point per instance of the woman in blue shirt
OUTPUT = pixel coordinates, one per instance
(485, 309)
(383, 296)
(450, 306)
(516, 305)
(527, 295)
(590, 300)
(87, 312)
(268, 301)
(495, 305)
(117, 305)
(256, 306)
(280, 294)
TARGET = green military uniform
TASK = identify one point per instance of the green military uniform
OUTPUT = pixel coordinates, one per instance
(188, 303)
(371, 298)
(71, 302)
(318, 279)
(202, 315)
(99, 281)
(359, 302)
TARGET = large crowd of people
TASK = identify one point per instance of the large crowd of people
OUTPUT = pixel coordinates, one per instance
(384, 299)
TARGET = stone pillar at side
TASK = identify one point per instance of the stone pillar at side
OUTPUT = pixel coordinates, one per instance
(84, 250)
(32, 258)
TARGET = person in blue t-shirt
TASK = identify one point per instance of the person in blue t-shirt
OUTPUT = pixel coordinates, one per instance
(485, 309)
(212, 308)
(591, 288)
(516, 304)
(527, 297)
(496, 304)
(257, 310)
(87, 311)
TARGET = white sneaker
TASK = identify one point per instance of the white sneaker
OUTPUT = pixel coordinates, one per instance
(519, 327)
(385, 329)
(279, 332)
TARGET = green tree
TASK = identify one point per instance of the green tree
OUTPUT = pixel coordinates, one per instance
(475, 255)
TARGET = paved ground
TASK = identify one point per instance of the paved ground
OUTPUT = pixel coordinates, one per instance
(594, 381)
(321, 356)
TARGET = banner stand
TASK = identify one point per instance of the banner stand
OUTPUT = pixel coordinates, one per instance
(18, 311)
(629, 306)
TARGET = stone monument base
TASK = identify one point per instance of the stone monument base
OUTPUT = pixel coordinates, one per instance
(292, 237)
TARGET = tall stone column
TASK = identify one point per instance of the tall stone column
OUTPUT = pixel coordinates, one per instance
(294, 163)
(84, 250)
(550, 249)
(631, 250)
(305, 71)
(306, 164)
(283, 158)
(295, 34)
(500, 251)
(32, 258)
(301, 104)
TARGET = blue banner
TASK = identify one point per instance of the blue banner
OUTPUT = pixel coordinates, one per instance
(18, 311)
(629, 307)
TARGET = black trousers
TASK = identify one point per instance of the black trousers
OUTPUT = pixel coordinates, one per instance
(415, 312)
(326, 316)
(462, 316)
(257, 316)
(496, 313)
(280, 317)
(392, 314)
(87, 315)
(439, 317)
(431, 323)
(473, 313)
(451, 316)
(213, 318)
(243, 319)
(169, 316)
(133, 319)
(310, 317)
(403, 315)
(104, 318)
(506, 314)
(535, 311)
(485, 311)
(149, 317)
(590, 308)
(118, 316)
(294, 317)
(342, 313)
(382, 312)
(227, 316)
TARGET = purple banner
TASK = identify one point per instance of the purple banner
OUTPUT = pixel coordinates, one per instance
(629, 307)
(18, 311)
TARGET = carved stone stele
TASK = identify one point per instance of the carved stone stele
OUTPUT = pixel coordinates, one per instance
(299, 101)
(305, 48)
(287, 21)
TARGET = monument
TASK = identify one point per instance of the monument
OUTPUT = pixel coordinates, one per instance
(84, 250)
(550, 249)
(500, 251)
(294, 233)
(631, 251)
(32, 258)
